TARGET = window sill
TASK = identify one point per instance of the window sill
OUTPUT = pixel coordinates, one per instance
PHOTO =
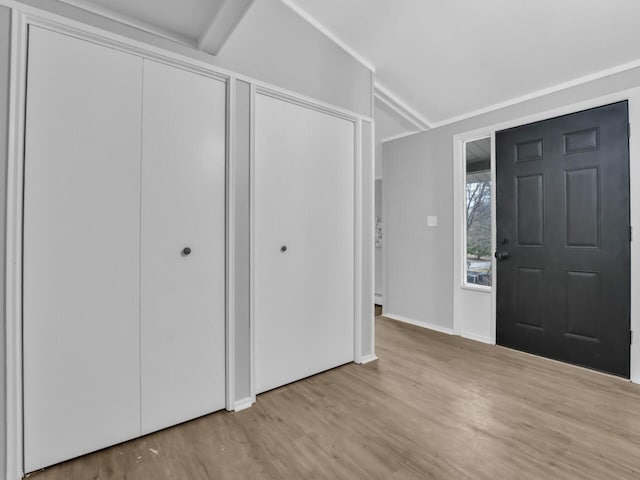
(477, 288)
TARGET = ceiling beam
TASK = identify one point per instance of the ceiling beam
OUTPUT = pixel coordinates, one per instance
(224, 22)
(130, 22)
(383, 95)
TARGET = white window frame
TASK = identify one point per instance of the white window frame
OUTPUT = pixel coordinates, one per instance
(463, 246)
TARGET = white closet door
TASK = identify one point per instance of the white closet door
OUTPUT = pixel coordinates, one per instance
(183, 206)
(304, 201)
(81, 248)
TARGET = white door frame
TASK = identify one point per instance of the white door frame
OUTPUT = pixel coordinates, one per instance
(24, 16)
(633, 97)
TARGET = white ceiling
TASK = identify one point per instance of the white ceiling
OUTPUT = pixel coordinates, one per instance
(435, 60)
(478, 150)
(445, 59)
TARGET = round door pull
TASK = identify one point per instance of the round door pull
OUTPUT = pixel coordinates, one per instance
(186, 251)
(502, 255)
(283, 248)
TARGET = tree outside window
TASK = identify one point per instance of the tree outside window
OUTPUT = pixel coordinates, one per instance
(478, 213)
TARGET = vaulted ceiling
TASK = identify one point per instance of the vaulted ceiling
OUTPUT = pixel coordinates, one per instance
(187, 18)
(435, 61)
(446, 59)
(202, 24)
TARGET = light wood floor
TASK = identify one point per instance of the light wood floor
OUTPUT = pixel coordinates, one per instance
(433, 406)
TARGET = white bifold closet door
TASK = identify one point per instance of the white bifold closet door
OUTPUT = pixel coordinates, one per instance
(303, 242)
(123, 332)
(183, 207)
(81, 307)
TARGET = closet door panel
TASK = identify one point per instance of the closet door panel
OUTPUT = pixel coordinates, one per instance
(183, 206)
(81, 248)
(303, 242)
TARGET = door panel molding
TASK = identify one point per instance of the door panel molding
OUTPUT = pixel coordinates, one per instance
(582, 170)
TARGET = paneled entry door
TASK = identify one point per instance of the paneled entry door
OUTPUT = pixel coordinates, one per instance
(563, 238)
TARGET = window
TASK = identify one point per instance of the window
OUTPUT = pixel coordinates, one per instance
(478, 212)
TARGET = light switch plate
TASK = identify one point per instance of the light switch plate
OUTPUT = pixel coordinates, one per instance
(432, 221)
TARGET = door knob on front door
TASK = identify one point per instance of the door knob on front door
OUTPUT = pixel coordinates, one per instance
(502, 255)
(283, 248)
(186, 251)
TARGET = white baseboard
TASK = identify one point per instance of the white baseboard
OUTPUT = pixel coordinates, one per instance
(378, 299)
(368, 359)
(243, 404)
(477, 338)
(429, 326)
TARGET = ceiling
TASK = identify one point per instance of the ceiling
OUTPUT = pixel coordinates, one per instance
(478, 150)
(446, 59)
(188, 18)
(436, 61)
(201, 24)
(389, 124)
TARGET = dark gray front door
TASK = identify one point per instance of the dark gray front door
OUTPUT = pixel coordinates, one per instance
(562, 200)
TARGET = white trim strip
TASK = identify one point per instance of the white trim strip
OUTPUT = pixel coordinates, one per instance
(252, 221)
(243, 404)
(230, 244)
(399, 136)
(418, 323)
(306, 102)
(13, 265)
(368, 359)
(357, 237)
(391, 100)
(330, 35)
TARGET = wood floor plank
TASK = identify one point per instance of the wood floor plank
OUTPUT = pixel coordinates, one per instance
(433, 406)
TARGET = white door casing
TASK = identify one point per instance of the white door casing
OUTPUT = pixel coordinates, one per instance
(304, 200)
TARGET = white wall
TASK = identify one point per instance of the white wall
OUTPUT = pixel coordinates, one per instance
(378, 160)
(417, 184)
(418, 181)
